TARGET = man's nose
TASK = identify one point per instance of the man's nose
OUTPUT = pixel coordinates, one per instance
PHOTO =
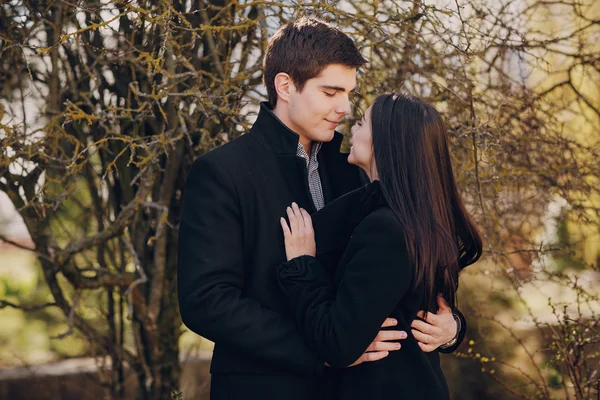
(344, 106)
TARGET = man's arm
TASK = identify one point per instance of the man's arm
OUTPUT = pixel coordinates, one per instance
(211, 277)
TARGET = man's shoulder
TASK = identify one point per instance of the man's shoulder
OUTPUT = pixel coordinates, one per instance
(232, 155)
(240, 145)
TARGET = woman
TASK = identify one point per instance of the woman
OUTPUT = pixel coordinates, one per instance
(410, 235)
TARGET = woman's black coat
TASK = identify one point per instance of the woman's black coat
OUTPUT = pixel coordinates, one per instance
(373, 280)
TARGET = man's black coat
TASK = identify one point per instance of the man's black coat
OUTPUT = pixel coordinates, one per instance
(230, 242)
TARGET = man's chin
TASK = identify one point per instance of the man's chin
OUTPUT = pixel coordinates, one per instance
(326, 136)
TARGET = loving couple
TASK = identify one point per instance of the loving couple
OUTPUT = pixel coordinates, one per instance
(320, 274)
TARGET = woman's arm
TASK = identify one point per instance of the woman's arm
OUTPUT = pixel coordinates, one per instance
(340, 324)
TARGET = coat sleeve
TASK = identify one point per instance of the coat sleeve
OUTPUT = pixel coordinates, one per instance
(210, 277)
(340, 323)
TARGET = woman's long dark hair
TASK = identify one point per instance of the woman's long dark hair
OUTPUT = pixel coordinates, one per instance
(410, 150)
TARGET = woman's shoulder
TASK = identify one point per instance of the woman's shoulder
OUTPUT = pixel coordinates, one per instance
(381, 235)
(381, 222)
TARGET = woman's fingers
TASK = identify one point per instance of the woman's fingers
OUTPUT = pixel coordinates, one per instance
(299, 235)
(285, 227)
(299, 216)
(294, 223)
(307, 220)
(299, 219)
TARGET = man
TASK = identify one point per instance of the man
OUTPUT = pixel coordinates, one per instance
(230, 240)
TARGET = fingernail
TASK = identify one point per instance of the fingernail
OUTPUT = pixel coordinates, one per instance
(398, 346)
(403, 335)
(294, 205)
(394, 321)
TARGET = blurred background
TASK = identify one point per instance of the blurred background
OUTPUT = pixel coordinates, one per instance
(104, 105)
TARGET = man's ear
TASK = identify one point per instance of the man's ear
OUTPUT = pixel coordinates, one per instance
(284, 86)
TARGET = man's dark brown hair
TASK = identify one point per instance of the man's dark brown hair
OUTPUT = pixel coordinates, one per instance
(302, 49)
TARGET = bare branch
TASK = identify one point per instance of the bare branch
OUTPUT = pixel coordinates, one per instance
(4, 304)
(115, 228)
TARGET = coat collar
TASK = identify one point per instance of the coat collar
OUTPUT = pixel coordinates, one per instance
(274, 136)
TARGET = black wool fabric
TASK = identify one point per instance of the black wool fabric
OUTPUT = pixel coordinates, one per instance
(373, 280)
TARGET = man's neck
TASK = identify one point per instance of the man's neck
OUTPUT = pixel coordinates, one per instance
(307, 144)
(281, 113)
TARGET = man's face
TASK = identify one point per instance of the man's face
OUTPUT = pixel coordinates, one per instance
(315, 112)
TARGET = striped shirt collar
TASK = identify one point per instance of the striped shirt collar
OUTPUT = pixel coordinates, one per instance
(315, 147)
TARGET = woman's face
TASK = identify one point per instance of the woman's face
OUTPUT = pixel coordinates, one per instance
(361, 153)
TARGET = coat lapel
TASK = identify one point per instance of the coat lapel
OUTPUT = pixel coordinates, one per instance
(296, 181)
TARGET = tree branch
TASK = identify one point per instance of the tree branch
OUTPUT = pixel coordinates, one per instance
(117, 227)
(4, 304)
(23, 247)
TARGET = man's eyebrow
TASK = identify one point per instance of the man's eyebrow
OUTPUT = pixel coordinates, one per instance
(337, 88)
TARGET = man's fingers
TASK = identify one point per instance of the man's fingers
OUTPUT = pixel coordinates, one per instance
(430, 318)
(389, 322)
(386, 336)
(423, 327)
(426, 348)
(384, 346)
(422, 337)
(370, 357)
(375, 355)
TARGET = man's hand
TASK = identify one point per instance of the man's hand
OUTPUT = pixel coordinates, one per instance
(384, 342)
(437, 329)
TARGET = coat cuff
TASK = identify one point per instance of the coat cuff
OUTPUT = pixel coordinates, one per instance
(300, 270)
(296, 268)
